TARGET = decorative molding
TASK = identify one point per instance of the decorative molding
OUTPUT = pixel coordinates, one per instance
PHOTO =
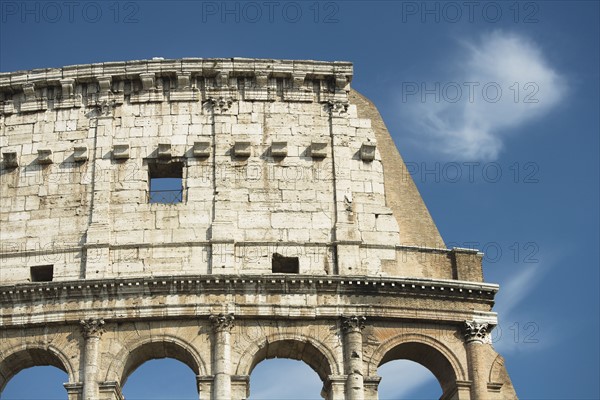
(106, 107)
(222, 322)
(92, 328)
(218, 104)
(477, 331)
(223, 74)
(337, 107)
(354, 323)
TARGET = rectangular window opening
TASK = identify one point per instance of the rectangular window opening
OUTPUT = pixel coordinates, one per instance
(166, 182)
(284, 265)
(42, 273)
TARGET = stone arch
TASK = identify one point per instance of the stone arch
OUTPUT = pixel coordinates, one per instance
(496, 369)
(316, 354)
(33, 355)
(149, 348)
(422, 349)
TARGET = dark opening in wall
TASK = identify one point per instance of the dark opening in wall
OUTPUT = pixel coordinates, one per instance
(166, 182)
(42, 273)
(285, 265)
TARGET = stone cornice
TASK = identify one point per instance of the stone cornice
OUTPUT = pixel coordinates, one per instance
(221, 68)
(193, 296)
(277, 283)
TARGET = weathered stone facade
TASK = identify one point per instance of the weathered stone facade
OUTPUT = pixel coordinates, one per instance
(298, 233)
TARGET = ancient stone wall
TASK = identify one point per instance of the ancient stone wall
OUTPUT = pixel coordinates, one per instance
(273, 159)
(294, 231)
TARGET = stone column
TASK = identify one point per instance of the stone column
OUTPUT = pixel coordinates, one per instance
(476, 334)
(222, 325)
(92, 329)
(353, 360)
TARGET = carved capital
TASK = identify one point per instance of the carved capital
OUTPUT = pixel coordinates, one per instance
(477, 331)
(337, 107)
(106, 107)
(355, 323)
(218, 103)
(222, 322)
(92, 327)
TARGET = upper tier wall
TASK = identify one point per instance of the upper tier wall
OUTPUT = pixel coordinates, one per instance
(273, 160)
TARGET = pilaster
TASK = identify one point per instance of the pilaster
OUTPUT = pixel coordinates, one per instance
(222, 325)
(92, 329)
(476, 335)
(353, 357)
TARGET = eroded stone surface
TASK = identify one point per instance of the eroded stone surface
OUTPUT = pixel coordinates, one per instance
(297, 232)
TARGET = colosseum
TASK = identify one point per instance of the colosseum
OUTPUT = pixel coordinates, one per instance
(222, 212)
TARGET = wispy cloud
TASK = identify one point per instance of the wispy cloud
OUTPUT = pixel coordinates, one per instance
(519, 330)
(502, 82)
(518, 287)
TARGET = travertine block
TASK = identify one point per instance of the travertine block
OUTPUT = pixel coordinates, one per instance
(279, 149)
(242, 149)
(201, 149)
(44, 156)
(319, 148)
(120, 151)
(367, 151)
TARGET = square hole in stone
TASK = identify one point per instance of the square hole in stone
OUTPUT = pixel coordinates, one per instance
(166, 182)
(284, 265)
(42, 273)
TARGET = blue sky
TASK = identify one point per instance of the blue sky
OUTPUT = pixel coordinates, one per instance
(493, 105)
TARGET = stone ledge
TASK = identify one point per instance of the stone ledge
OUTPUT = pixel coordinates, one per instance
(341, 71)
(276, 283)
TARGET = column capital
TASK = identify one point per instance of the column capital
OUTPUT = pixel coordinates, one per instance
(354, 323)
(478, 332)
(222, 322)
(92, 327)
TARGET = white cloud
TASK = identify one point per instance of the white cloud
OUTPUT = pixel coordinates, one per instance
(503, 81)
(518, 329)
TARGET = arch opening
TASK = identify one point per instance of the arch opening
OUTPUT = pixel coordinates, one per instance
(295, 350)
(164, 378)
(158, 350)
(27, 359)
(283, 378)
(428, 357)
(405, 379)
